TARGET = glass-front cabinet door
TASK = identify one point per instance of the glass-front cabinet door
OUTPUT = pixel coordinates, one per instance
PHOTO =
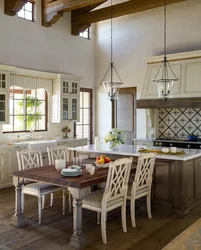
(4, 97)
(65, 87)
(3, 81)
(70, 108)
(4, 111)
(74, 108)
(75, 87)
(65, 109)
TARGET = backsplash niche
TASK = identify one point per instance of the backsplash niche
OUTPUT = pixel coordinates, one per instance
(178, 122)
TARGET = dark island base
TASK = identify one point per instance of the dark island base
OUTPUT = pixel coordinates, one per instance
(176, 184)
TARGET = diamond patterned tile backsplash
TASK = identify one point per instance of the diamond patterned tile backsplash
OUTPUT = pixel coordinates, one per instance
(175, 122)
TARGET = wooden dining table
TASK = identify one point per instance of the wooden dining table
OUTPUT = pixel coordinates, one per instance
(78, 187)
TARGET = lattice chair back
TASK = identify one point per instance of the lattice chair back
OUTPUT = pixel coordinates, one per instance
(144, 172)
(117, 180)
(57, 153)
(28, 159)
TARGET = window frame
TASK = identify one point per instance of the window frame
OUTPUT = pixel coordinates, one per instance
(46, 118)
(33, 11)
(90, 91)
(88, 33)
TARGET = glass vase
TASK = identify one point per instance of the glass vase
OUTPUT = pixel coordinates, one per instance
(115, 147)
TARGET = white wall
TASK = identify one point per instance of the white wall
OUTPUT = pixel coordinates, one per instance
(29, 45)
(138, 36)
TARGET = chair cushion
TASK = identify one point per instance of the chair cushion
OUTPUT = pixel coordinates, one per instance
(138, 192)
(39, 187)
(94, 199)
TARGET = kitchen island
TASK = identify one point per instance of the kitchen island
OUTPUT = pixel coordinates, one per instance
(176, 179)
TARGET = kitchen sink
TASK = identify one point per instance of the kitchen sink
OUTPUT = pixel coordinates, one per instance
(42, 145)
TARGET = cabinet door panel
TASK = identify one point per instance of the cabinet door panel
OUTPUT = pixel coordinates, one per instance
(197, 164)
(65, 109)
(13, 164)
(65, 87)
(4, 112)
(2, 169)
(2, 175)
(4, 78)
(74, 88)
(74, 109)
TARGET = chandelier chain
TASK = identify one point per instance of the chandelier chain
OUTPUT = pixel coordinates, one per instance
(111, 24)
(165, 27)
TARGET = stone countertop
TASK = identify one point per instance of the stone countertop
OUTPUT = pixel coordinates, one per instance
(142, 139)
(23, 143)
(179, 141)
(130, 150)
(70, 139)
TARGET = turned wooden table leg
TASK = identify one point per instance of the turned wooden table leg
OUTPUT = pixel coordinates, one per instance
(18, 218)
(77, 239)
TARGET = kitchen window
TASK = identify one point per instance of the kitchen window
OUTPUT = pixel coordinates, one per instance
(27, 11)
(83, 128)
(85, 34)
(28, 110)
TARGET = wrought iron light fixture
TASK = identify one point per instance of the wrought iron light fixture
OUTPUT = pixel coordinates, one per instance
(111, 80)
(165, 76)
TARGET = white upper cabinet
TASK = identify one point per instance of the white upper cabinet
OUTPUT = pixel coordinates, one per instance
(187, 68)
(66, 98)
(4, 97)
(70, 87)
(70, 108)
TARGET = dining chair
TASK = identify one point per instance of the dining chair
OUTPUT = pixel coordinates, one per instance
(55, 153)
(28, 159)
(114, 194)
(142, 183)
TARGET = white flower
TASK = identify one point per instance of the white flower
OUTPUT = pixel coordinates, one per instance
(115, 136)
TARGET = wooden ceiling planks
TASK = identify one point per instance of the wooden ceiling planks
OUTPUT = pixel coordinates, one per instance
(11, 7)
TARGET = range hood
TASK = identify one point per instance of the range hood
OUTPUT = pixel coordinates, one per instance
(187, 67)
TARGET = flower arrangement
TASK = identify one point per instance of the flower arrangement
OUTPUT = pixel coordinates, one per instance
(115, 137)
(66, 130)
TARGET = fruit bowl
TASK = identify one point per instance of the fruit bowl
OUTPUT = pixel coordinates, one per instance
(102, 161)
(102, 165)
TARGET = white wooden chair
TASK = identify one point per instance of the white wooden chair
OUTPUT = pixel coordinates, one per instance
(60, 152)
(142, 183)
(114, 195)
(28, 159)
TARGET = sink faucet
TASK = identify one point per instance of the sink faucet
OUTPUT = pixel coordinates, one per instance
(31, 134)
(18, 138)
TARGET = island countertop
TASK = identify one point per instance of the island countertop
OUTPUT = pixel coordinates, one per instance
(130, 150)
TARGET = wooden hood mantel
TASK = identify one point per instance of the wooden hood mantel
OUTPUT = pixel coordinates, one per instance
(194, 102)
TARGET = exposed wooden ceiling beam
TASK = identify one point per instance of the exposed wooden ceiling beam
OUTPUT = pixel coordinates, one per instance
(125, 8)
(11, 7)
(52, 11)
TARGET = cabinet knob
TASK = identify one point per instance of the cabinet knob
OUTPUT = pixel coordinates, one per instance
(188, 145)
(171, 144)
